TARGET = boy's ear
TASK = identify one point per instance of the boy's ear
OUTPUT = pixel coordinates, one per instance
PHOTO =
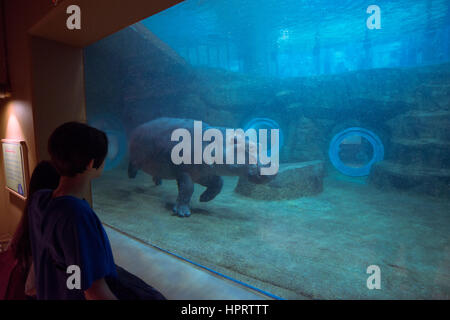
(90, 164)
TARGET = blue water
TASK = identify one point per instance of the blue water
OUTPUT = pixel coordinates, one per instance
(378, 195)
(278, 38)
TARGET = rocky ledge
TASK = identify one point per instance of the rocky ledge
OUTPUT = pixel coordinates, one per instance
(294, 180)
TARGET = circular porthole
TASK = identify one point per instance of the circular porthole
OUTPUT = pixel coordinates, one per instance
(117, 148)
(117, 141)
(353, 151)
(266, 123)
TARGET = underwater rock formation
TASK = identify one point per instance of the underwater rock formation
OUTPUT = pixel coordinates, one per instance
(406, 107)
(418, 179)
(294, 180)
(419, 159)
(234, 92)
(306, 141)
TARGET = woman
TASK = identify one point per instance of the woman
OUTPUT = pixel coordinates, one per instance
(44, 176)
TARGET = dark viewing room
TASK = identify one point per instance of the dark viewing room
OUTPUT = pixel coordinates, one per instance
(224, 150)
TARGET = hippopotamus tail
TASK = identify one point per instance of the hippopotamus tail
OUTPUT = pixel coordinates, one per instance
(132, 171)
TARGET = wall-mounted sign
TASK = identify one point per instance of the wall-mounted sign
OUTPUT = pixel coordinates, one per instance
(15, 170)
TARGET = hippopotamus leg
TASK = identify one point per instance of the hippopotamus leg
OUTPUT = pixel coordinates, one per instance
(185, 191)
(157, 180)
(132, 171)
(214, 186)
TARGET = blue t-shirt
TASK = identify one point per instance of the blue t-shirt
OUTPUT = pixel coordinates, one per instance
(65, 231)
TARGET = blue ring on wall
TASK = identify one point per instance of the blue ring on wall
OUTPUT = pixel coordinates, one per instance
(117, 140)
(120, 144)
(374, 140)
(266, 123)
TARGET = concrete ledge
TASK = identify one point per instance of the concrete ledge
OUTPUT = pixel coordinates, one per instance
(174, 278)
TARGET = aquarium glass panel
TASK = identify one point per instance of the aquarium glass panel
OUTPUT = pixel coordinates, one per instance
(349, 103)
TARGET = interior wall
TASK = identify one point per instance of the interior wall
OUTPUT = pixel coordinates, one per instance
(47, 90)
(16, 120)
(58, 90)
(2, 51)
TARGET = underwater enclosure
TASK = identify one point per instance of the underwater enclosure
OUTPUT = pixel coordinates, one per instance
(363, 113)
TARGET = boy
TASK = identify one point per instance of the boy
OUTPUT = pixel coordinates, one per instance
(64, 230)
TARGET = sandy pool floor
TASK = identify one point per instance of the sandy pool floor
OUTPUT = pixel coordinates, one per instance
(314, 247)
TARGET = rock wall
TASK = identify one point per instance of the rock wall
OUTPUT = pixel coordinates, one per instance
(136, 77)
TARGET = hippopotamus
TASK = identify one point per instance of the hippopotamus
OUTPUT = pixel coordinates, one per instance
(150, 149)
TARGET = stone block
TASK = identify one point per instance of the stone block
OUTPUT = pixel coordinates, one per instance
(294, 180)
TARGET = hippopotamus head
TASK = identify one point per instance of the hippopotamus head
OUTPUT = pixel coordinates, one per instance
(253, 169)
(254, 174)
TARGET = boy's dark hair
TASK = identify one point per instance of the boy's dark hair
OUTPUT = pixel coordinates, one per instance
(73, 145)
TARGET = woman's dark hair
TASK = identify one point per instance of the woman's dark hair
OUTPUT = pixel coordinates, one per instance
(44, 176)
(73, 145)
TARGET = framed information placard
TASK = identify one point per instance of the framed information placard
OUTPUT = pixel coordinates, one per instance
(14, 153)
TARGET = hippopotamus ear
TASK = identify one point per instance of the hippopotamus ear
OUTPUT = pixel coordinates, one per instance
(246, 146)
(237, 144)
(252, 149)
